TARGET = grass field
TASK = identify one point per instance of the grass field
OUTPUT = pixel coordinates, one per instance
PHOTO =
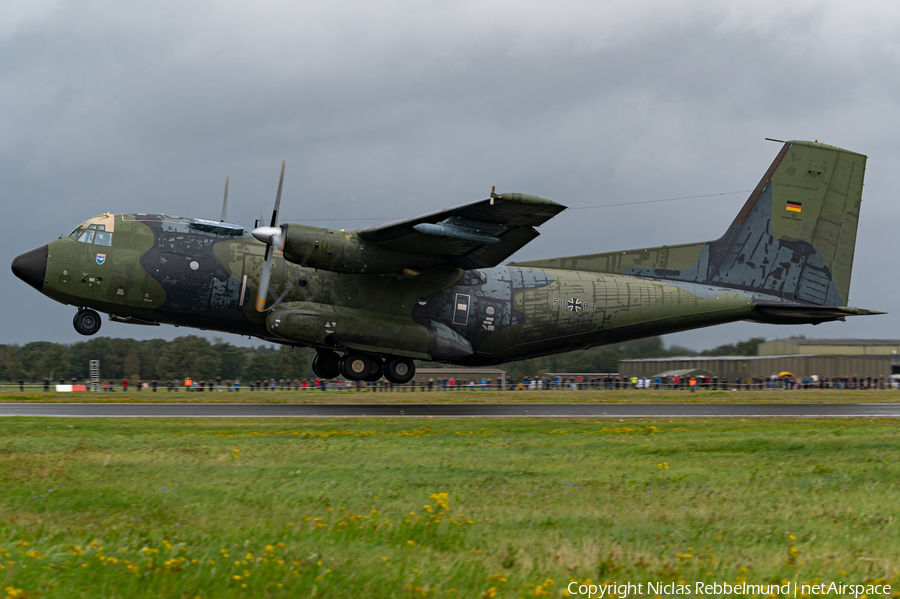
(9, 394)
(440, 507)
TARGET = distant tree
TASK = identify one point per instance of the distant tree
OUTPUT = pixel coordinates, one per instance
(150, 351)
(749, 347)
(132, 364)
(649, 347)
(187, 357)
(110, 352)
(678, 350)
(295, 362)
(55, 363)
(231, 360)
(262, 367)
(11, 362)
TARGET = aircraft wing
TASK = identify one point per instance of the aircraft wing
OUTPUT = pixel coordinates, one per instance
(480, 234)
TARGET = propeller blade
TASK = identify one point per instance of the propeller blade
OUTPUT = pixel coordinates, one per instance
(225, 201)
(263, 290)
(269, 235)
(278, 198)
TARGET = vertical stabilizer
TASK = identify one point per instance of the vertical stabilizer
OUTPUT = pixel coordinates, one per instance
(796, 235)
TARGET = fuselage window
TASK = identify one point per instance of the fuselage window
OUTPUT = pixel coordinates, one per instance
(86, 237)
(103, 238)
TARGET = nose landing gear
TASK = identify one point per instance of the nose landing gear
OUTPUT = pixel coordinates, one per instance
(87, 322)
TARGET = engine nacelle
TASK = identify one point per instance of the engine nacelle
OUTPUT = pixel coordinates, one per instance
(346, 252)
(326, 325)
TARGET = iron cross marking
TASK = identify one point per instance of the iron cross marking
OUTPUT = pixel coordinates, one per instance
(574, 305)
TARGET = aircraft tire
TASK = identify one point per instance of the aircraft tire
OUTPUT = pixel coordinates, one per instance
(355, 366)
(87, 322)
(399, 370)
(326, 365)
(377, 370)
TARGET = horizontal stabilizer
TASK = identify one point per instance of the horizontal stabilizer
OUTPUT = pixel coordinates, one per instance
(807, 314)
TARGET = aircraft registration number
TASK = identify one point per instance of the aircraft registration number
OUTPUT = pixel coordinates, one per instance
(573, 304)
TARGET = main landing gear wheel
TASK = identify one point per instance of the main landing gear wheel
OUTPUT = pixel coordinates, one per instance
(355, 367)
(399, 370)
(377, 370)
(326, 365)
(87, 322)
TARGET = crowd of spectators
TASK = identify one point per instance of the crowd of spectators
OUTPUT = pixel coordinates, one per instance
(453, 383)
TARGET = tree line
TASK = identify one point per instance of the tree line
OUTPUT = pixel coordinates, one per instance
(199, 358)
(154, 359)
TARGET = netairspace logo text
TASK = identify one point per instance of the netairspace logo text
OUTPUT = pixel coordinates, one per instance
(788, 589)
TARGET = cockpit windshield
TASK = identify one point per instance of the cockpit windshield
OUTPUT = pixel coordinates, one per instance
(97, 230)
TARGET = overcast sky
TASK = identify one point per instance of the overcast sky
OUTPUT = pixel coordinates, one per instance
(389, 109)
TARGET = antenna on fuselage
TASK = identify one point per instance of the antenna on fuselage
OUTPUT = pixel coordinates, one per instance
(225, 201)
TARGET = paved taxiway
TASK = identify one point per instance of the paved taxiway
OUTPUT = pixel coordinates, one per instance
(157, 410)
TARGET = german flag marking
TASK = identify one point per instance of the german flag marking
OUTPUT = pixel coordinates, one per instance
(794, 206)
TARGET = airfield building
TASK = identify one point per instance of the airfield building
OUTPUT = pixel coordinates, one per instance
(802, 357)
(839, 347)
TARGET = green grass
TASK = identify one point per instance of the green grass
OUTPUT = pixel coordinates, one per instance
(517, 396)
(268, 508)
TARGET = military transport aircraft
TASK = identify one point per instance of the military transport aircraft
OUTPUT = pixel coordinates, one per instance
(372, 300)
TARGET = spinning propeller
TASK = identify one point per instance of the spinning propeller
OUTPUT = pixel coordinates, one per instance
(272, 237)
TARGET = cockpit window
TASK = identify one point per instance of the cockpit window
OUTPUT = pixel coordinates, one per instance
(86, 237)
(103, 238)
(74, 234)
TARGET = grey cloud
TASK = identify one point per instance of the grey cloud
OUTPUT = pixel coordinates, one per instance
(385, 110)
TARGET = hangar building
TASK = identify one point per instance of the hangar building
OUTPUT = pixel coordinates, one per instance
(829, 358)
(841, 347)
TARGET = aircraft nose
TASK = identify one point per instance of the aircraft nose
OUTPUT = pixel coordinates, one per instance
(31, 266)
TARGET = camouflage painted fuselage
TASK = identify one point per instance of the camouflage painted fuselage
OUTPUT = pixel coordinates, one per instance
(160, 270)
(786, 258)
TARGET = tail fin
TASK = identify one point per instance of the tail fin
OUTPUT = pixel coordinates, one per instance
(794, 237)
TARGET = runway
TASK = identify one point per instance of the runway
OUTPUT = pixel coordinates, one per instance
(456, 410)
